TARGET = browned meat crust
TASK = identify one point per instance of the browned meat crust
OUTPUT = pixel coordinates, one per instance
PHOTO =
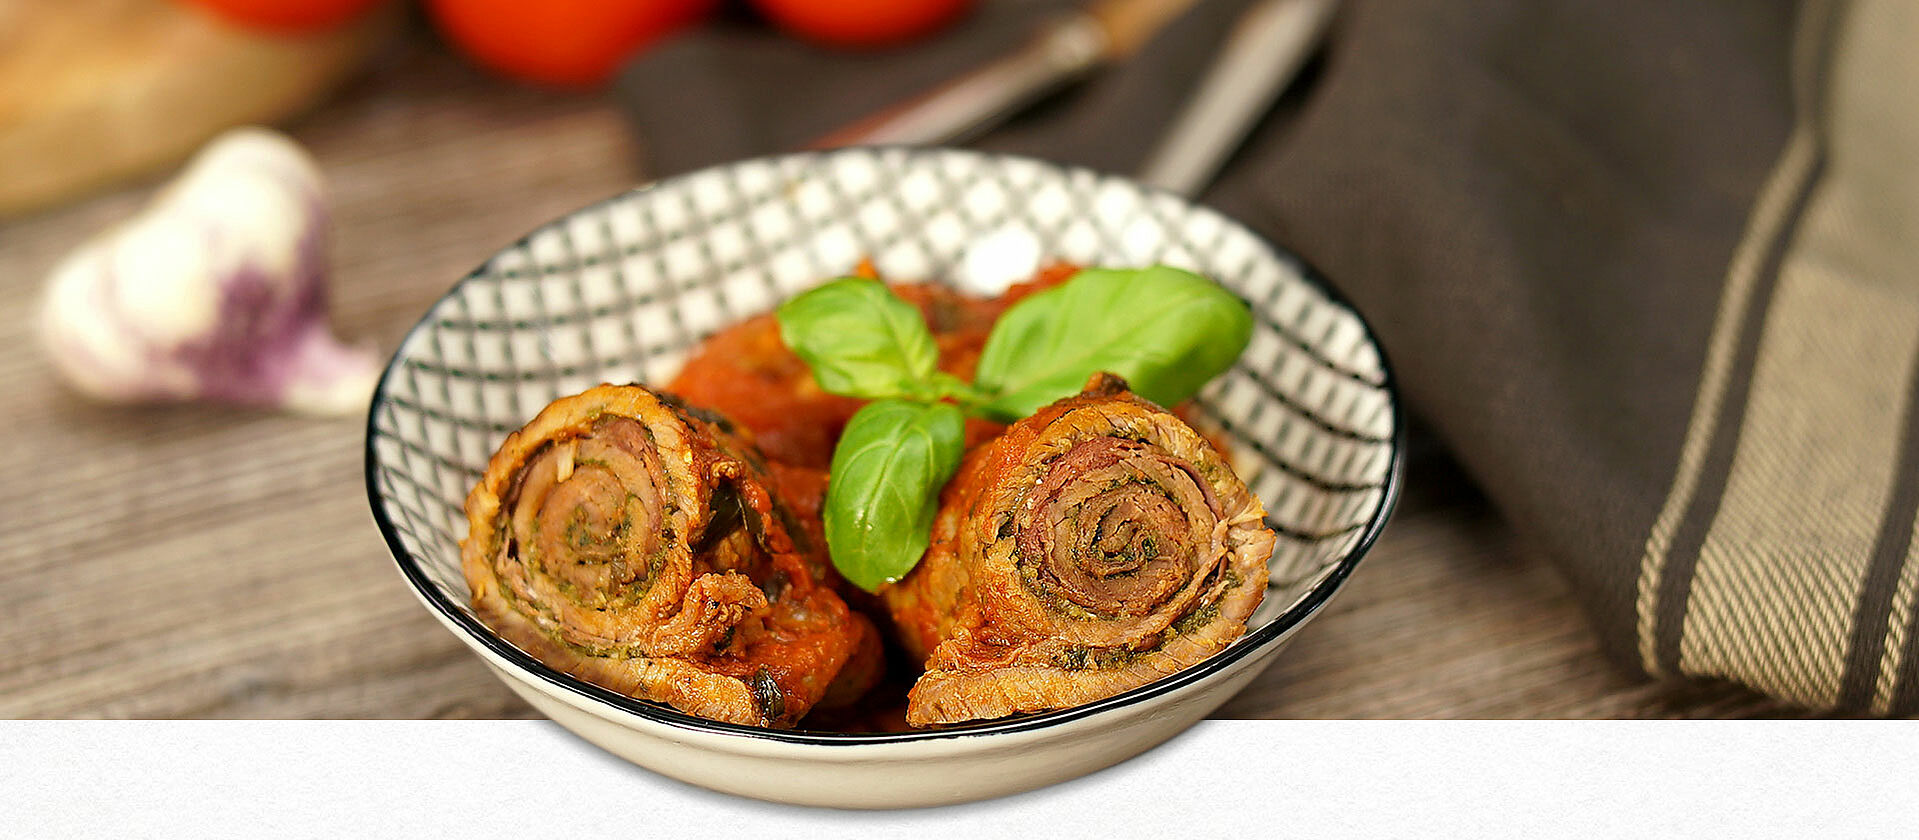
(640, 545)
(1094, 547)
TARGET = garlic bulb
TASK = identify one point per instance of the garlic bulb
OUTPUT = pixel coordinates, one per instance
(215, 291)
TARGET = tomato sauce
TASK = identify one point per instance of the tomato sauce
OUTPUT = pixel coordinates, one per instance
(747, 373)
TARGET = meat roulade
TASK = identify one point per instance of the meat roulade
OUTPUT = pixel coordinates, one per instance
(639, 544)
(1094, 547)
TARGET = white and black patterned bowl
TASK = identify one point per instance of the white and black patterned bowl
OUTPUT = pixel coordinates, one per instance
(621, 290)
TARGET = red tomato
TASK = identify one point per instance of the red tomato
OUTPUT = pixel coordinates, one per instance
(861, 23)
(287, 15)
(561, 42)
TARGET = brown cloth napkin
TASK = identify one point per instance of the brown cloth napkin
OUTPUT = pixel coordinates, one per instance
(1648, 270)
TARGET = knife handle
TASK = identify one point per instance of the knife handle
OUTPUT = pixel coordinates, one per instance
(1059, 53)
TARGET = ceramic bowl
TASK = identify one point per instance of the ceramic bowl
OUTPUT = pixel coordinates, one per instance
(621, 290)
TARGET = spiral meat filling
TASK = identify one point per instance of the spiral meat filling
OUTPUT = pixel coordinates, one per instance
(1091, 549)
(638, 544)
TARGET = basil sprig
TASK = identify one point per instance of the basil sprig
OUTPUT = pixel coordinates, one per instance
(1166, 331)
(862, 341)
(887, 473)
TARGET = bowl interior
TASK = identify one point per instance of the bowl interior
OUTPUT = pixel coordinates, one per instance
(620, 292)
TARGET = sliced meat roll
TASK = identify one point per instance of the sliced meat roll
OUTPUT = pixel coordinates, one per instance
(639, 544)
(1094, 547)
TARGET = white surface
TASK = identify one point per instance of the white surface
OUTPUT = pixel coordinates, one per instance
(482, 779)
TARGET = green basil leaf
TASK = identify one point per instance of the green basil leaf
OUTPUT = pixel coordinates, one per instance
(1166, 331)
(861, 341)
(884, 487)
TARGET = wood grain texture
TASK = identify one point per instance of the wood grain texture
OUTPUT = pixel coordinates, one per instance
(205, 562)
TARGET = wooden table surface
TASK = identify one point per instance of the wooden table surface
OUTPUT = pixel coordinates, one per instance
(196, 561)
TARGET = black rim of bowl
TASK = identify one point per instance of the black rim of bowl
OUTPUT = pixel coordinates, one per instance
(1256, 640)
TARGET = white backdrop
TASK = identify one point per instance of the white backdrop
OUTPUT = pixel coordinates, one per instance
(279, 780)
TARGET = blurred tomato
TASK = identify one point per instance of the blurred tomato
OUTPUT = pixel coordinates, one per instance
(561, 42)
(287, 15)
(861, 23)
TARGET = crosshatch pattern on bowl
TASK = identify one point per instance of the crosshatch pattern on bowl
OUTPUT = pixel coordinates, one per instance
(622, 290)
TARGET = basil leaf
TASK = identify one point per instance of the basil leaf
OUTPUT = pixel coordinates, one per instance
(1167, 332)
(884, 487)
(861, 341)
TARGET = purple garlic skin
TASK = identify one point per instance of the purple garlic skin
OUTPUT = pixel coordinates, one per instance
(216, 291)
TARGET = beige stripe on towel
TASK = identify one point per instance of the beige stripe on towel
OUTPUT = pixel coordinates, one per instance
(1880, 98)
(1905, 599)
(1768, 222)
(1780, 573)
